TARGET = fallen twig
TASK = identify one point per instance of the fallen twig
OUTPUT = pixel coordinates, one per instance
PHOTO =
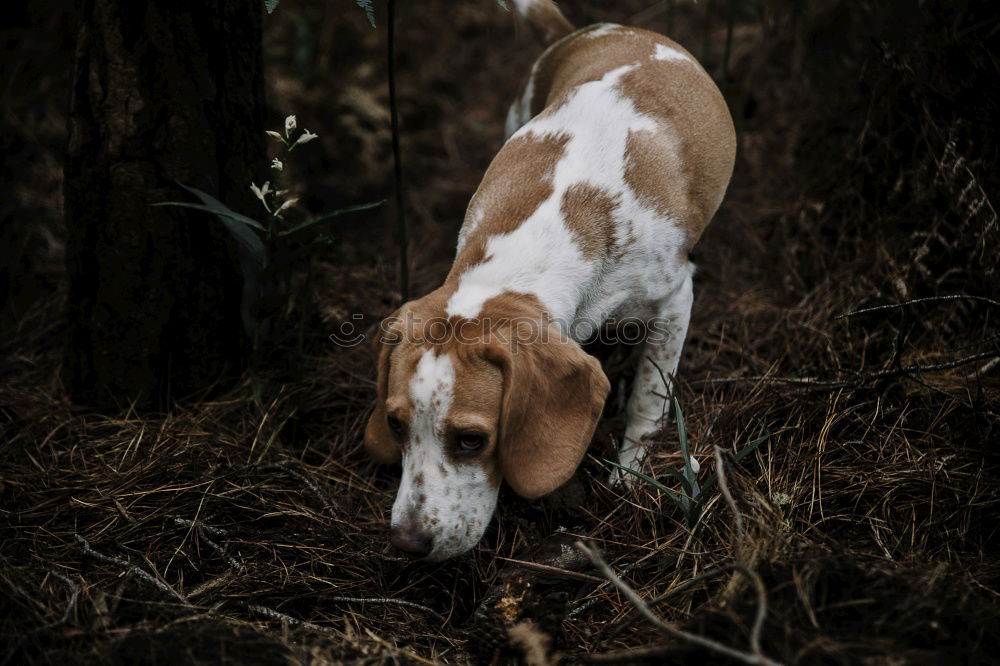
(915, 301)
(272, 614)
(720, 474)
(203, 532)
(858, 383)
(756, 658)
(397, 602)
(593, 600)
(130, 568)
(652, 603)
(546, 568)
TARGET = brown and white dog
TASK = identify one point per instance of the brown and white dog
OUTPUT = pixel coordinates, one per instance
(620, 149)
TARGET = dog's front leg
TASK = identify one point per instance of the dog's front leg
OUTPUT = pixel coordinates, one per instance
(648, 402)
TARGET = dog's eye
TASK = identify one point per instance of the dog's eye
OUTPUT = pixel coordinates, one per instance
(394, 425)
(471, 441)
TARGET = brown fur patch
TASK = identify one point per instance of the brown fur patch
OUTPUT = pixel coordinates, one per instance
(683, 170)
(589, 215)
(516, 183)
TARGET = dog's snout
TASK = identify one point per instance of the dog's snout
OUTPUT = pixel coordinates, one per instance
(411, 539)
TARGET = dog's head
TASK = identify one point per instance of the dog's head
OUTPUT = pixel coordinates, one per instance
(472, 404)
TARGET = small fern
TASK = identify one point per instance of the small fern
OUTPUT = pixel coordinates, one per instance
(367, 5)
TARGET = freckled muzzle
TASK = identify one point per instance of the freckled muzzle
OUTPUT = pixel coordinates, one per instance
(436, 517)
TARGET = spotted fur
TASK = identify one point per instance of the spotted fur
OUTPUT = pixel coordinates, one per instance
(620, 149)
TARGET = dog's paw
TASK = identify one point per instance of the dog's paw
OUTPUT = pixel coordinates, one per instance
(631, 458)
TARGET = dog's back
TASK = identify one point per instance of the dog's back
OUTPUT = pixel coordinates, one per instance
(683, 166)
(620, 150)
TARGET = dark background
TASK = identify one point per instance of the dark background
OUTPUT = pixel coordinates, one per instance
(866, 176)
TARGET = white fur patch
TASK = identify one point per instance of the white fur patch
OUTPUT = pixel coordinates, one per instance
(472, 220)
(601, 29)
(453, 502)
(664, 52)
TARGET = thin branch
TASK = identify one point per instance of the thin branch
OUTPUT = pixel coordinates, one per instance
(208, 529)
(272, 614)
(546, 568)
(689, 583)
(396, 602)
(858, 383)
(402, 233)
(584, 605)
(130, 568)
(203, 531)
(915, 301)
(720, 474)
(74, 594)
(757, 658)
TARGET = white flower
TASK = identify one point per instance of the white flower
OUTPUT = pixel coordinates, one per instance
(287, 204)
(306, 137)
(289, 124)
(277, 164)
(261, 192)
(276, 135)
(695, 465)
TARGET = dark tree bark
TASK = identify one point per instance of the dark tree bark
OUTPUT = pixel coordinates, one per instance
(163, 92)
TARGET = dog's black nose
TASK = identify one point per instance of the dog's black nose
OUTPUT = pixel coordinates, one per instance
(411, 539)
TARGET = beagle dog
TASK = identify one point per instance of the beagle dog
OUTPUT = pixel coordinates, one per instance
(620, 148)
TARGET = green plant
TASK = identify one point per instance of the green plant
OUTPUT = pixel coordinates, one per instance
(694, 495)
(268, 249)
(368, 6)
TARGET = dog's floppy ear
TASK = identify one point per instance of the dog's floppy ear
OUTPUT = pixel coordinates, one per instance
(552, 399)
(379, 440)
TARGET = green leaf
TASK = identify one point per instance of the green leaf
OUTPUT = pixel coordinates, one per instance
(689, 472)
(235, 217)
(685, 484)
(330, 216)
(750, 448)
(677, 499)
(248, 241)
(271, 5)
(212, 205)
(369, 7)
(706, 488)
(252, 252)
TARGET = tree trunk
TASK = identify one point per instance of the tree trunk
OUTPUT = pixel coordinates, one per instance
(163, 92)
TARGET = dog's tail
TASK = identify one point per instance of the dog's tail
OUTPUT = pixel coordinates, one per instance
(545, 19)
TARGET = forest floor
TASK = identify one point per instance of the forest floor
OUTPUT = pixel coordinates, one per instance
(845, 318)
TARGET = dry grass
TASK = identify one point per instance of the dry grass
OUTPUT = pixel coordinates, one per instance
(249, 528)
